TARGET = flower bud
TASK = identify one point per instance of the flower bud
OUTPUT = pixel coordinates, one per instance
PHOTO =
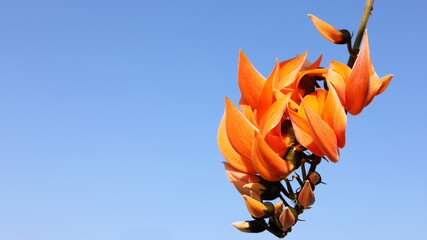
(306, 195)
(255, 208)
(287, 218)
(329, 32)
(249, 226)
(314, 178)
(258, 209)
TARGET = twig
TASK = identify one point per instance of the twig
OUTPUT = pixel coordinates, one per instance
(368, 8)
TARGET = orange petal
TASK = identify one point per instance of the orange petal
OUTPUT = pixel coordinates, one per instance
(304, 83)
(267, 163)
(327, 30)
(249, 114)
(277, 143)
(315, 64)
(240, 131)
(274, 114)
(337, 74)
(334, 114)
(377, 86)
(234, 158)
(266, 97)
(255, 187)
(302, 131)
(235, 174)
(316, 100)
(374, 86)
(322, 133)
(289, 71)
(239, 187)
(250, 81)
(385, 81)
(357, 84)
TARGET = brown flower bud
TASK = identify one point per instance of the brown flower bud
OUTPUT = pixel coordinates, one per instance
(314, 178)
(306, 195)
(287, 218)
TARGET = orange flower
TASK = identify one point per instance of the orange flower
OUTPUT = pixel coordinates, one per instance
(244, 147)
(357, 87)
(319, 123)
(329, 32)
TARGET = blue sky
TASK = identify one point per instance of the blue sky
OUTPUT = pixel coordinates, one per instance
(109, 112)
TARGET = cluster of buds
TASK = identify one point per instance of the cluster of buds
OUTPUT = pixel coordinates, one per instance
(288, 121)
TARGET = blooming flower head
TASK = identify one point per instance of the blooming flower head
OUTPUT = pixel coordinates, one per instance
(255, 138)
(295, 117)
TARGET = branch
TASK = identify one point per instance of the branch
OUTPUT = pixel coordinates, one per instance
(368, 8)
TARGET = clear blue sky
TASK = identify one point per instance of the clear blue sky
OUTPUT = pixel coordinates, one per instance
(109, 112)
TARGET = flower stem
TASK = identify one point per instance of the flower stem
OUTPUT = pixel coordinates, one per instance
(368, 8)
(303, 172)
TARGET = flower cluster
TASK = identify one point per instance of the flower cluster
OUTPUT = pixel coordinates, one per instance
(295, 116)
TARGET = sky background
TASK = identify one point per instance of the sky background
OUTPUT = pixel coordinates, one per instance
(109, 113)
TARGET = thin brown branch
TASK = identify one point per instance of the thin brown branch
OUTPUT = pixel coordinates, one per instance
(366, 13)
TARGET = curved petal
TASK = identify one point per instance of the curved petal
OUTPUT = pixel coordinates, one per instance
(302, 131)
(267, 163)
(261, 167)
(316, 100)
(334, 114)
(322, 134)
(249, 114)
(277, 143)
(266, 97)
(315, 64)
(240, 131)
(250, 81)
(337, 74)
(235, 159)
(358, 82)
(235, 174)
(374, 86)
(239, 186)
(289, 71)
(274, 114)
(385, 81)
